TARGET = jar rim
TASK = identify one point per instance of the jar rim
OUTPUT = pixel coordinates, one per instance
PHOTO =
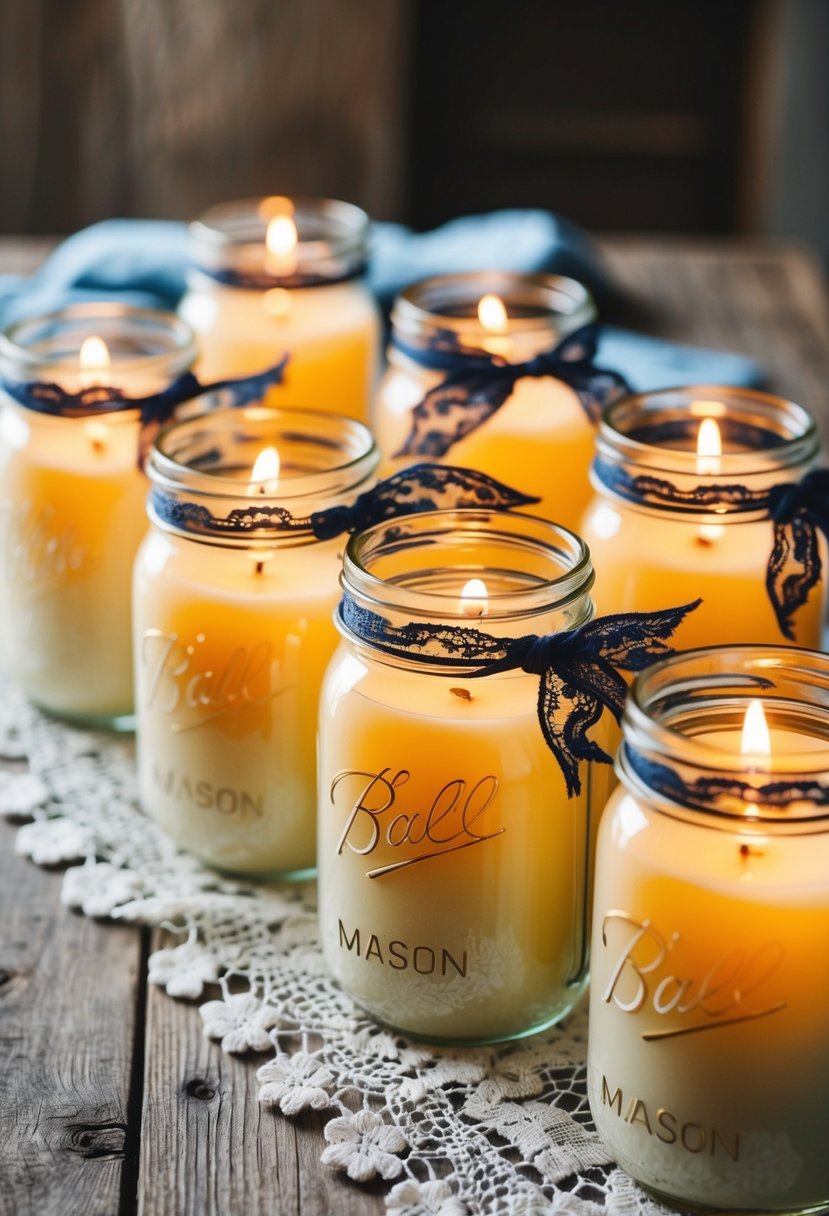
(99, 318)
(678, 702)
(798, 441)
(327, 229)
(552, 542)
(646, 451)
(325, 457)
(554, 302)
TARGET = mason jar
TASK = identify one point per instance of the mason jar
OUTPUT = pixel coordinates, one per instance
(709, 1009)
(233, 601)
(72, 496)
(454, 869)
(275, 278)
(472, 378)
(686, 485)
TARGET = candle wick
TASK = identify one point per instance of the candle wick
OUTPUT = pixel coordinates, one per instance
(260, 566)
(463, 693)
(747, 851)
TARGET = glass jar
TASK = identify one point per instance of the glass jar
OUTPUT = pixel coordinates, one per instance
(709, 1009)
(541, 437)
(253, 298)
(73, 495)
(453, 868)
(666, 515)
(233, 603)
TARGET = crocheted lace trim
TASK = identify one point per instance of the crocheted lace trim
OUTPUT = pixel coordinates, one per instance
(499, 1131)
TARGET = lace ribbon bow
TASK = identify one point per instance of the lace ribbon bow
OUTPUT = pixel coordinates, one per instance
(798, 510)
(422, 487)
(154, 410)
(578, 670)
(477, 384)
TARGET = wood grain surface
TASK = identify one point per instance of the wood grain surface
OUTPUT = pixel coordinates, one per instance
(162, 107)
(111, 1100)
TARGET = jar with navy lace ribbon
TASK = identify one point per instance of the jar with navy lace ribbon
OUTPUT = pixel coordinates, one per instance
(498, 371)
(711, 491)
(278, 278)
(454, 851)
(74, 389)
(708, 1068)
(233, 599)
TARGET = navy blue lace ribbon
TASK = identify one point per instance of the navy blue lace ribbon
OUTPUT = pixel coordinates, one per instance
(710, 793)
(798, 510)
(578, 670)
(262, 280)
(154, 410)
(477, 384)
(422, 487)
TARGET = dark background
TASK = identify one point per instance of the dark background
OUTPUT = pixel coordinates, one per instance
(706, 116)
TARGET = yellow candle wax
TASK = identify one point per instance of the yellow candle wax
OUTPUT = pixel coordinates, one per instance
(233, 618)
(72, 497)
(71, 521)
(252, 304)
(724, 938)
(642, 561)
(452, 865)
(229, 662)
(709, 1011)
(330, 335)
(454, 870)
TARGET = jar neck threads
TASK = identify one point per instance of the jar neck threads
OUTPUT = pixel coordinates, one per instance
(447, 311)
(653, 452)
(135, 352)
(683, 736)
(277, 242)
(205, 485)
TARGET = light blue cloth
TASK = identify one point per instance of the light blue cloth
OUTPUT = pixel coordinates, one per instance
(145, 262)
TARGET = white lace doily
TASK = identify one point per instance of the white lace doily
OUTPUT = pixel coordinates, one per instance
(502, 1131)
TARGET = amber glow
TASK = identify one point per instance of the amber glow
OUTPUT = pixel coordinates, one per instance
(473, 601)
(709, 451)
(95, 362)
(492, 314)
(281, 245)
(264, 477)
(755, 740)
(709, 448)
(281, 236)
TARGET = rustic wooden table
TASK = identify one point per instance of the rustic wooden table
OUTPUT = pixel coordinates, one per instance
(111, 1100)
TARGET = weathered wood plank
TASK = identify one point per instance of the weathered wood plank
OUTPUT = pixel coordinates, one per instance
(764, 301)
(151, 107)
(69, 992)
(207, 1146)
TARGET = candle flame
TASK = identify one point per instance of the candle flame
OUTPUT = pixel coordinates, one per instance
(492, 314)
(755, 737)
(474, 597)
(264, 477)
(709, 448)
(281, 236)
(95, 362)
